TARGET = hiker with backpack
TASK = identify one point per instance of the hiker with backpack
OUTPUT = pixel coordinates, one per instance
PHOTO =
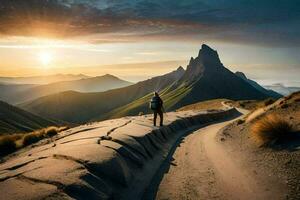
(156, 104)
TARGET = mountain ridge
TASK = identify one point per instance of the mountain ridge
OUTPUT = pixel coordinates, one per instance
(16, 120)
(205, 78)
(269, 92)
(44, 79)
(79, 107)
(91, 84)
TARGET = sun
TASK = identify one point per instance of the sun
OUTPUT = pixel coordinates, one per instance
(45, 58)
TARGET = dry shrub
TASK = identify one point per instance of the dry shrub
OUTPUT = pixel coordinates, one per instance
(16, 136)
(242, 104)
(38, 135)
(51, 131)
(7, 145)
(33, 137)
(240, 121)
(269, 102)
(10, 143)
(64, 128)
(287, 97)
(271, 130)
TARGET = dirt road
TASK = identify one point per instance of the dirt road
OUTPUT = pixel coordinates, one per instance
(201, 168)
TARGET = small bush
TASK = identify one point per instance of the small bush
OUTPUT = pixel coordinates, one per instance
(269, 102)
(271, 129)
(16, 137)
(51, 131)
(242, 105)
(64, 128)
(7, 145)
(10, 143)
(240, 121)
(33, 137)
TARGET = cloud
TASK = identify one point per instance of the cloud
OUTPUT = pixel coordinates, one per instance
(265, 22)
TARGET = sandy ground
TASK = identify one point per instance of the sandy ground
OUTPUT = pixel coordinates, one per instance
(127, 158)
(202, 168)
(279, 164)
(114, 159)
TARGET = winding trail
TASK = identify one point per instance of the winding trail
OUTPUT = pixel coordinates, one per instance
(201, 168)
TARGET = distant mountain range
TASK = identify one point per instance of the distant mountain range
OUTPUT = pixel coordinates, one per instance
(205, 78)
(269, 92)
(78, 107)
(42, 79)
(16, 120)
(16, 93)
(284, 90)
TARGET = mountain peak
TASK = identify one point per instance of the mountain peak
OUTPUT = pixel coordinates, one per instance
(207, 61)
(205, 47)
(191, 60)
(108, 76)
(180, 68)
(241, 75)
(208, 55)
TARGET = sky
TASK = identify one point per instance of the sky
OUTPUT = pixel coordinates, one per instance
(138, 39)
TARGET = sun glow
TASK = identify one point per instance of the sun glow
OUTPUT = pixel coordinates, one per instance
(45, 58)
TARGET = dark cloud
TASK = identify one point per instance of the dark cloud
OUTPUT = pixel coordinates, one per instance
(265, 22)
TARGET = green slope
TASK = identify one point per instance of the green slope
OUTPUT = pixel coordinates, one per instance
(78, 107)
(205, 78)
(13, 119)
(170, 97)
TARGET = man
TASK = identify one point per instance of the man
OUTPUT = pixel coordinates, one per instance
(156, 104)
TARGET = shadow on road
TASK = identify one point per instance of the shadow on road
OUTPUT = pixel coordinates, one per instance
(151, 192)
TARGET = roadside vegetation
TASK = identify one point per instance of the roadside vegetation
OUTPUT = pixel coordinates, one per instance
(11, 143)
(251, 104)
(272, 130)
(215, 104)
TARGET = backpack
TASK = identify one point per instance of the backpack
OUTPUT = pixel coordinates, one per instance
(155, 103)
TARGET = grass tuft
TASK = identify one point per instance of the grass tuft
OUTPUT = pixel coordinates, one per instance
(271, 130)
(10, 143)
(7, 145)
(51, 131)
(31, 138)
(63, 128)
(269, 102)
(240, 121)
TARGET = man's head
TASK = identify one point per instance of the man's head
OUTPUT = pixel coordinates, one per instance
(156, 94)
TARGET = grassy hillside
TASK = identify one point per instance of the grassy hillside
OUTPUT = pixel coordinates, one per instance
(82, 107)
(9, 92)
(212, 82)
(13, 119)
(205, 78)
(205, 105)
(169, 95)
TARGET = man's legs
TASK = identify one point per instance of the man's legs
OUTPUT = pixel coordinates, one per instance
(161, 116)
(154, 119)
